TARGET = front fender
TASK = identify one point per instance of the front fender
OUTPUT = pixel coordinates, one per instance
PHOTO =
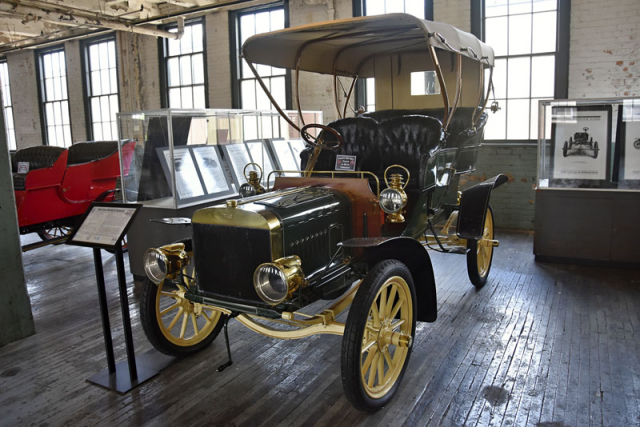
(412, 254)
(473, 207)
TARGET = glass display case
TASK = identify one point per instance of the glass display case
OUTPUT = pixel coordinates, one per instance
(589, 144)
(188, 157)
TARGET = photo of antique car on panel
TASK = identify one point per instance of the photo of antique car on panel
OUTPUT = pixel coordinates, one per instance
(579, 143)
(355, 236)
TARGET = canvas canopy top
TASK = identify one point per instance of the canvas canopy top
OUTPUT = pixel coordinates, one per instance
(346, 46)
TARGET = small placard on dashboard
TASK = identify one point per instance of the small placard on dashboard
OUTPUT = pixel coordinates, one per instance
(345, 163)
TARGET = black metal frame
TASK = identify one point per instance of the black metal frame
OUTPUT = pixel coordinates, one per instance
(42, 91)
(359, 9)
(235, 50)
(561, 86)
(163, 49)
(86, 78)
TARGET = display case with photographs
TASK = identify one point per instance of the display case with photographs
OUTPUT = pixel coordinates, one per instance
(589, 144)
(187, 157)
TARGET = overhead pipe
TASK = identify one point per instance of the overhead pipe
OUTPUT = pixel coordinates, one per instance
(60, 16)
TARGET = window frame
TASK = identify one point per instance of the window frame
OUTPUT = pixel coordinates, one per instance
(234, 47)
(561, 84)
(86, 80)
(163, 50)
(42, 90)
(3, 60)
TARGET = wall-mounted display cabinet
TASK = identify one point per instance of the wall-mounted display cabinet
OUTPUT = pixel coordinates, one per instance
(588, 184)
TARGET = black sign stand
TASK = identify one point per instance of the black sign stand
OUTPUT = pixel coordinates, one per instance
(121, 376)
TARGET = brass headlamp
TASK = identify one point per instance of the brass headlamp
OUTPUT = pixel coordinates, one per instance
(252, 186)
(393, 199)
(165, 262)
(276, 281)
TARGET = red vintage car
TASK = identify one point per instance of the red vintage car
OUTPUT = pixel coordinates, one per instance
(54, 186)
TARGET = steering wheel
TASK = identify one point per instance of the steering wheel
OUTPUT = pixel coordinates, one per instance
(319, 142)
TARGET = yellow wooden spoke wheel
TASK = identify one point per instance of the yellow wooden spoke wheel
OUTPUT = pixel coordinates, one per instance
(480, 254)
(379, 336)
(174, 324)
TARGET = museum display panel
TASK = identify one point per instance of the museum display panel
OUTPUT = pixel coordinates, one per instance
(588, 184)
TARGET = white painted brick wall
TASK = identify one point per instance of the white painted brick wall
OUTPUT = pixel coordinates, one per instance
(218, 60)
(454, 12)
(24, 93)
(150, 72)
(605, 49)
(75, 91)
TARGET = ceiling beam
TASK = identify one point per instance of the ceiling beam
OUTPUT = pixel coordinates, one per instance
(81, 19)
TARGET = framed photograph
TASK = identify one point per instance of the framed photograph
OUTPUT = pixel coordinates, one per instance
(581, 144)
(211, 169)
(629, 136)
(288, 154)
(188, 185)
(255, 151)
(104, 225)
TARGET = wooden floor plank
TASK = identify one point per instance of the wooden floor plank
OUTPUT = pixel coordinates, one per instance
(540, 343)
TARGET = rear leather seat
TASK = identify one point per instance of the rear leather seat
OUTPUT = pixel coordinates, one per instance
(39, 157)
(85, 152)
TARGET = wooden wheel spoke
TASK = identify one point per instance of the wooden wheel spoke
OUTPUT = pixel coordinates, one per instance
(368, 345)
(380, 370)
(374, 368)
(374, 314)
(383, 303)
(387, 358)
(396, 324)
(396, 308)
(183, 329)
(175, 320)
(170, 308)
(195, 324)
(389, 305)
(168, 294)
(367, 361)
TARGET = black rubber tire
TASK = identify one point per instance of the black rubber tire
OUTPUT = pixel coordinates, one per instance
(565, 148)
(595, 150)
(472, 258)
(352, 340)
(155, 335)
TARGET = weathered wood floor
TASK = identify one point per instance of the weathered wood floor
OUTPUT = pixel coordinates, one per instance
(540, 344)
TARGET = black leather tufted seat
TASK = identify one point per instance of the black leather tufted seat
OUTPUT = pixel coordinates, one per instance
(361, 139)
(459, 129)
(39, 157)
(84, 152)
(405, 140)
(409, 141)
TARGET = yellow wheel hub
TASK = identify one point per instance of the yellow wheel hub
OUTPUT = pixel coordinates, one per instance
(183, 322)
(387, 337)
(485, 246)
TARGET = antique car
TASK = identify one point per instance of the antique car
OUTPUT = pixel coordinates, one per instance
(268, 258)
(580, 141)
(636, 143)
(54, 186)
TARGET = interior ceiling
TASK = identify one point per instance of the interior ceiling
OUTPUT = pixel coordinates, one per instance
(27, 23)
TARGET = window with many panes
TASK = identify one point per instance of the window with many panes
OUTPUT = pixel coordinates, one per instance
(102, 88)
(6, 104)
(523, 36)
(184, 67)
(55, 98)
(381, 7)
(251, 95)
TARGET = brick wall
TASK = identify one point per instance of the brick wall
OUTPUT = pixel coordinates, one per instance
(605, 49)
(218, 60)
(24, 91)
(454, 12)
(75, 91)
